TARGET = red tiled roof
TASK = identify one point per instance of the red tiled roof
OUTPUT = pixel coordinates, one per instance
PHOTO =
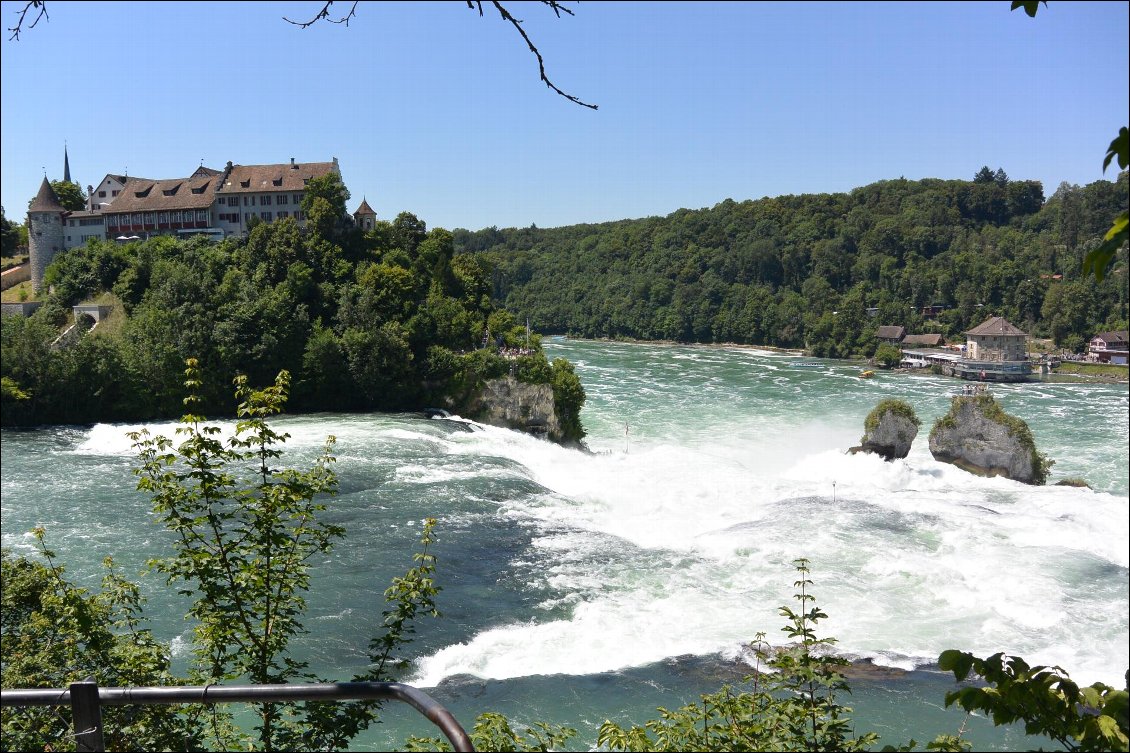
(141, 195)
(268, 178)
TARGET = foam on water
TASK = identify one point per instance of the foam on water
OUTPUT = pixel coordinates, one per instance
(712, 471)
(910, 558)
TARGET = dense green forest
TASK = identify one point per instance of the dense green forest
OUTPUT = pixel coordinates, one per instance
(801, 271)
(387, 319)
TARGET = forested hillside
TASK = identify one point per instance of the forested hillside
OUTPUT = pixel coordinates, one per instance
(800, 271)
(389, 319)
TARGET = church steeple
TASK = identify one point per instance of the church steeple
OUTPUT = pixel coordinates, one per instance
(66, 165)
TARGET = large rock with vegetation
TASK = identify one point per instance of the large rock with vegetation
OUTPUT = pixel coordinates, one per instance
(511, 404)
(976, 435)
(889, 430)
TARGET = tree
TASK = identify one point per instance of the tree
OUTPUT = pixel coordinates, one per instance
(9, 236)
(1099, 260)
(888, 356)
(55, 633)
(984, 175)
(71, 196)
(1044, 698)
(242, 548)
(330, 188)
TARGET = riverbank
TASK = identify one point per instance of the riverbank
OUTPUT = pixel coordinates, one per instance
(1094, 372)
(1067, 372)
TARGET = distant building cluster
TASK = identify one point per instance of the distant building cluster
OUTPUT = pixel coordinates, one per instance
(216, 203)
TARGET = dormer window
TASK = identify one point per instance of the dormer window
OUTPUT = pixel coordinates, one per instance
(143, 192)
(171, 191)
(245, 183)
(277, 181)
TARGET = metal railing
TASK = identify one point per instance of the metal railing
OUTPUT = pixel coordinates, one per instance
(86, 700)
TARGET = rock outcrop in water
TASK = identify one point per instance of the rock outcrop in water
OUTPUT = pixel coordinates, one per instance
(979, 437)
(889, 430)
(511, 404)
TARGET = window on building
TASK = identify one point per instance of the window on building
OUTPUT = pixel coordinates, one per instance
(163, 218)
(137, 218)
(113, 193)
(233, 201)
(283, 213)
(102, 194)
(298, 198)
(265, 216)
(265, 200)
(247, 217)
(201, 215)
(281, 199)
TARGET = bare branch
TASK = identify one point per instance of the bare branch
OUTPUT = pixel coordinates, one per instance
(324, 14)
(29, 5)
(557, 8)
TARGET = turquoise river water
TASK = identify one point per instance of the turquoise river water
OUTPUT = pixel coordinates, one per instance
(584, 586)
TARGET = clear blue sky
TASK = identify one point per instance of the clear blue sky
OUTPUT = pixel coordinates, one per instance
(431, 109)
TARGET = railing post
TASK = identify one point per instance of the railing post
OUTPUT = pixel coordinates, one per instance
(86, 715)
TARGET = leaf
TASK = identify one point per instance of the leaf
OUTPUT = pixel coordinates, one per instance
(1119, 147)
(1119, 226)
(958, 662)
(1030, 6)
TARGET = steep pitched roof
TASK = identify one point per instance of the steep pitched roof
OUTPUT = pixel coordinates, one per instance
(997, 325)
(204, 172)
(364, 208)
(267, 178)
(1110, 338)
(46, 200)
(925, 340)
(890, 332)
(142, 195)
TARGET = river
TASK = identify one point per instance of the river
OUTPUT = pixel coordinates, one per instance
(579, 587)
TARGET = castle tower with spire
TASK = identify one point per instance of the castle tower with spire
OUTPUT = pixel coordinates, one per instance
(45, 231)
(66, 165)
(365, 218)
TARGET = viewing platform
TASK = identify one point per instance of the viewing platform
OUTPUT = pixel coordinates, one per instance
(956, 365)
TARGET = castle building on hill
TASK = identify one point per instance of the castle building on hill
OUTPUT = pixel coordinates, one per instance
(216, 203)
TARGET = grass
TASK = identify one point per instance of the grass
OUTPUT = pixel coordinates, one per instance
(7, 262)
(1105, 370)
(12, 294)
(112, 323)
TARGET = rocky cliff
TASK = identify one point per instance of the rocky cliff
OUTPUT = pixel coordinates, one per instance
(889, 430)
(979, 437)
(511, 404)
